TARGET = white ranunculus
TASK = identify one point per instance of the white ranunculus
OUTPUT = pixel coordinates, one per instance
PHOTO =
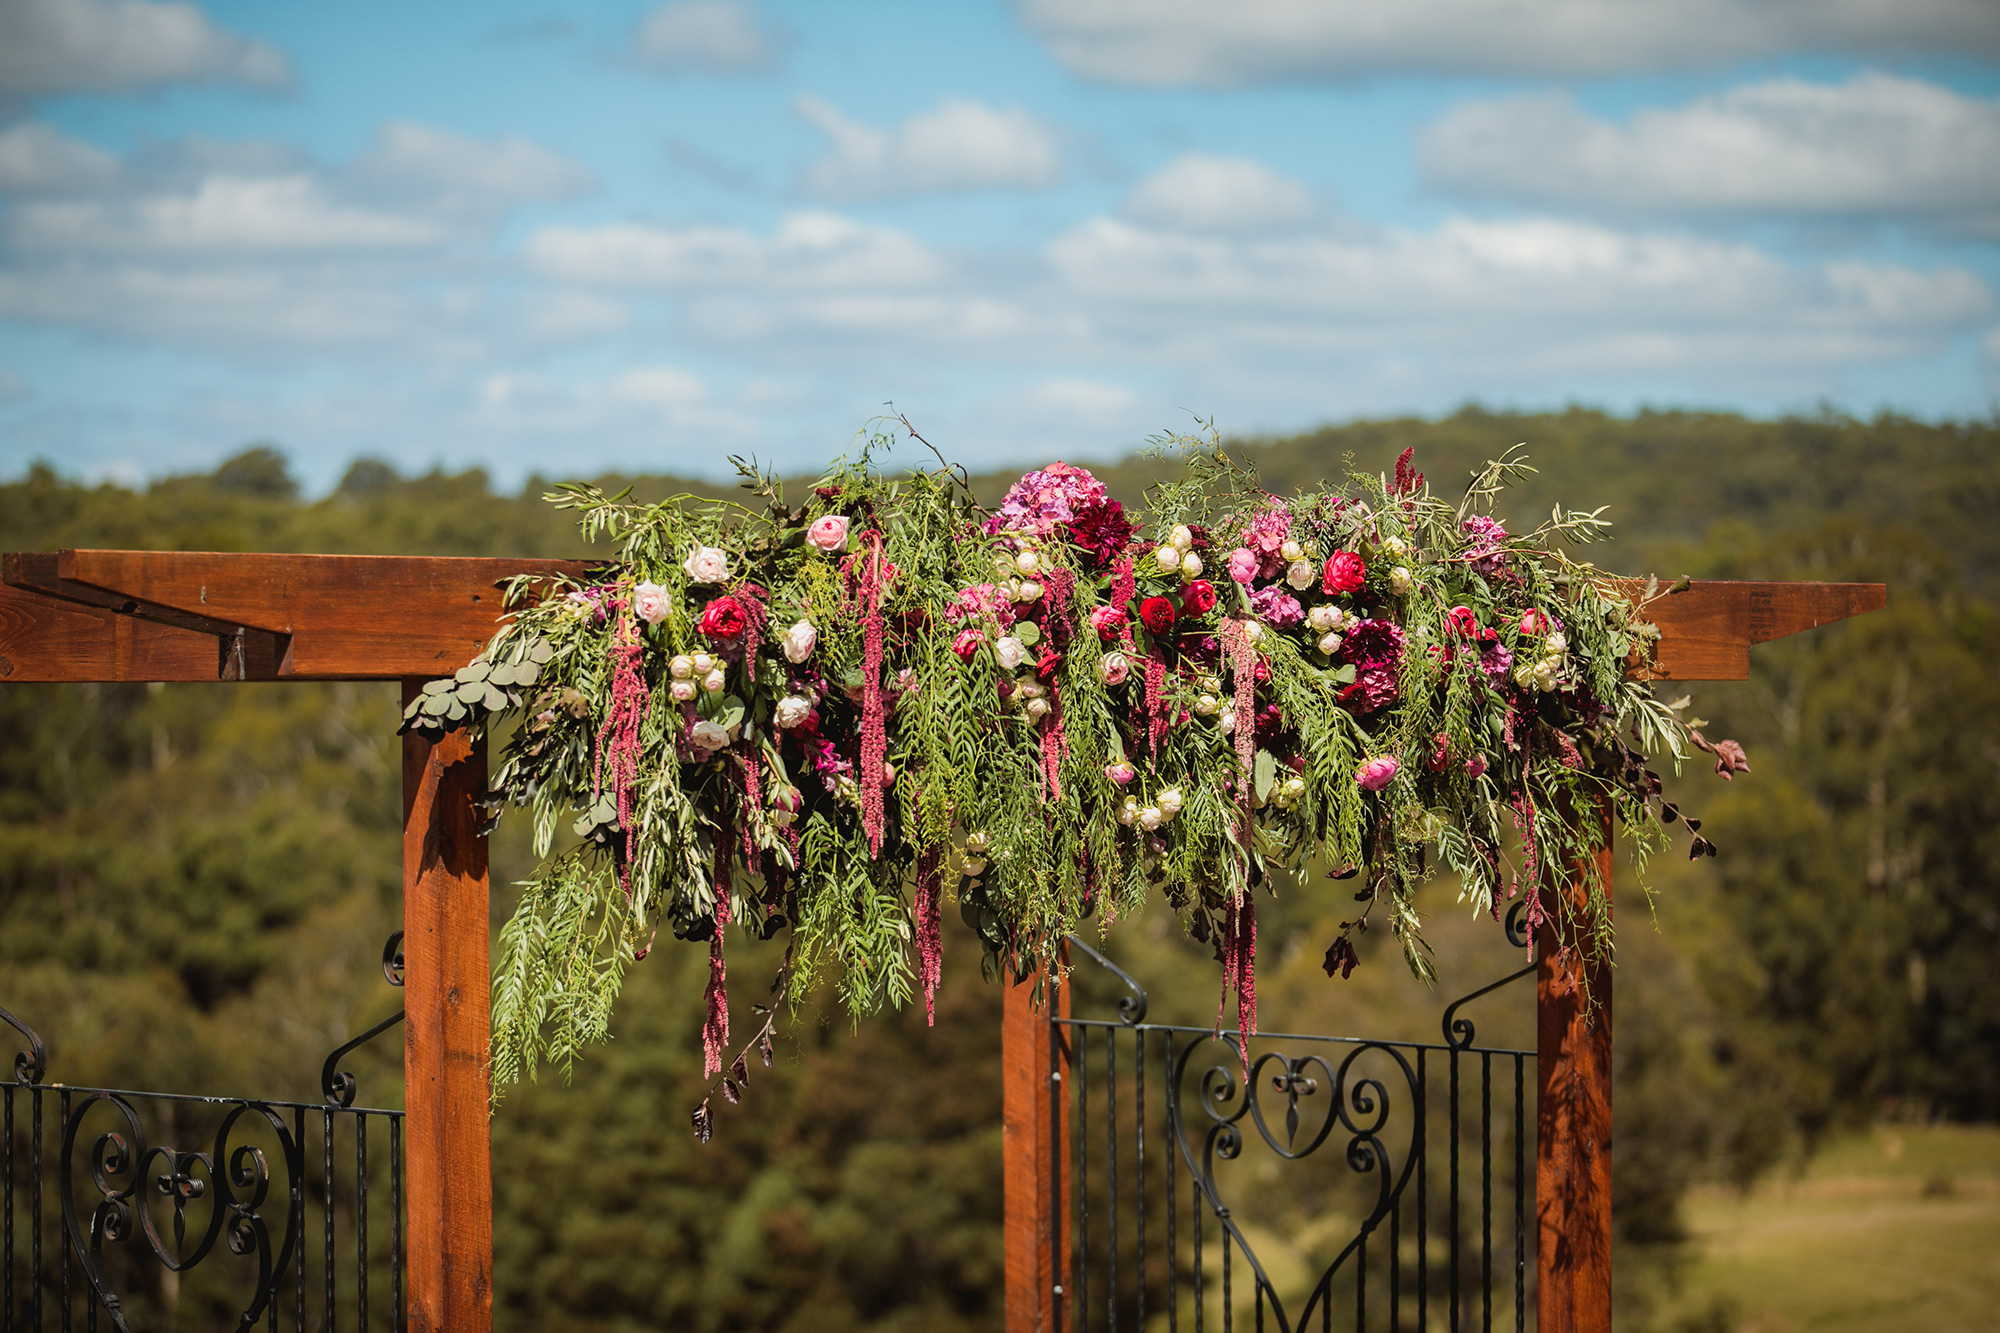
(1027, 590)
(1150, 817)
(1028, 562)
(707, 564)
(1168, 558)
(1556, 643)
(1181, 538)
(1323, 618)
(978, 842)
(1397, 547)
(1206, 705)
(1291, 551)
(1128, 813)
(1190, 566)
(715, 682)
(1301, 574)
(799, 640)
(649, 602)
(1399, 580)
(791, 711)
(1037, 709)
(1010, 651)
(1170, 802)
(708, 735)
(682, 690)
(1329, 643)
(681, 668)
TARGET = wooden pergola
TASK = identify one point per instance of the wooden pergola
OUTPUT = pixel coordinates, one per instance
(112, 616)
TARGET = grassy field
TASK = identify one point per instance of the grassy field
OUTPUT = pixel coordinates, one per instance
(1897, 1229)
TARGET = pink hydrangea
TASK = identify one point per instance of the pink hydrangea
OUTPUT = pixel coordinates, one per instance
(1485, 547)
(982, 599)
(1266, 536)
(1036, 503)
(1496, 661)
(1276, 607)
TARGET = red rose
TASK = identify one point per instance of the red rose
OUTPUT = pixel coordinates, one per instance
(1198, 598)
(723, 618)
(1158, 614)
(1344, 573)
(1464, 621)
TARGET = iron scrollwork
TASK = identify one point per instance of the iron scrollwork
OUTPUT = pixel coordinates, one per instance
(29, 1065)
(1358, 1105)
(122, 1165)
(337, 1085)
(1131, 1006)
(1459, 1032)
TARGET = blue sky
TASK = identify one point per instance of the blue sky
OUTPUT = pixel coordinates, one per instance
(648, 236)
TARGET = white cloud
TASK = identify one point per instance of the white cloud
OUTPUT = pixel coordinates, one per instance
(1165, 43)
(420, 159)
(223, 214)
(1201, 192)
(1874, 146)
(957, 145)
(713, 35)
(36, 159)
(49, 47)
(809, 252)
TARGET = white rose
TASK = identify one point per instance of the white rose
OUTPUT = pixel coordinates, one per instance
(682, 690)
(1150, 817)
(1399, 580)
(1291, 550)
(1028, 591)
(681, 668)
(799, 640)
(1397, 547)
(1010, 651)
(714, 682)
(1301, 574)
(1170, 802)
(1168, 558)
(708, 735)
(649, 602)
(791, 711)
(1323, 618)
(1206, 705)
(1228, 722)
(1329, 643)
(1181, 538)
(1037, 709)
(1027, 562)
(1190, 566)
(1556, 643)
(707, 564)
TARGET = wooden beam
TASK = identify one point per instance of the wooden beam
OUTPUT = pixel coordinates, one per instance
(1706, 631)
(300, 617)
(1034, 1064)
(447, 1003)
(43, 639)
(1573, 1126)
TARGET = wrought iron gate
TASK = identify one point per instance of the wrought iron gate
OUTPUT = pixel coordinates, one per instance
(1199, 1194)
(182, 1211)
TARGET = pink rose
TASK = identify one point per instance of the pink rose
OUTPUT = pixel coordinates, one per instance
(649, 603)
(1114, 668)
(1243, 564)
(1344, 572)
(1534, 622)
(1120, 772)
(1107, 621)
(1377, 773)
(967, 643)
(828, 533)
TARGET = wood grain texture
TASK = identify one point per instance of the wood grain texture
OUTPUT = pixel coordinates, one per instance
(1035, 1153)
(1706, 632)
(43, 639)
(1573, 1131)
(301, 617)
(448, 1173)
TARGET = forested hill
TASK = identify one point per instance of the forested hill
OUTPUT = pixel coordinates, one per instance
(1668, 480)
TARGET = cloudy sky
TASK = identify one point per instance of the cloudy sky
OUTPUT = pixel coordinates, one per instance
(620, 235)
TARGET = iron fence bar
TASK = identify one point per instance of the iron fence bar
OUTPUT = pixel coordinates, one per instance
(1083, 1181)
(1139, 1122)
(1520, 1207)
(1194, 1215)
(1423, 1195)
(1395, 1261)
(1111, 1179)
(7, 1211)
(1486, 1192)
(299, 1222)
(1452, 1237)
(1228, 1301)
(361, 1222)
(1173, 1209)
(1360, 1281)
(35, 1206)
(326, 1126)
(396, 1221)
(62, 1110)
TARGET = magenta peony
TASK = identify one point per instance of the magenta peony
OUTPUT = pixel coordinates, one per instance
(1377, 773)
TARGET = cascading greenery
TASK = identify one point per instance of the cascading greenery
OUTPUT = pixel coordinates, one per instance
(828, 717)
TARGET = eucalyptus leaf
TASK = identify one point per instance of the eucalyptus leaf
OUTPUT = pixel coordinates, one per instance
(1028, 632)
(439, 686)
(1265, 771)
(472, 671)
(496, 699)
(470, 692)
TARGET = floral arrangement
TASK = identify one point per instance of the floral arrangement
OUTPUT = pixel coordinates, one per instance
(828, 719)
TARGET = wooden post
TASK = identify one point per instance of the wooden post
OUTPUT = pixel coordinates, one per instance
(1573, 1134)
(449, 1173)
(1034, 1063)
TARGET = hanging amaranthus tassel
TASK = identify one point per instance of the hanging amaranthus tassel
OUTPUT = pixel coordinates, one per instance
(1156, 712)
(1239, 923)
(874, 734)
(715, 1024)
(1239, 967)
(1243, 663)
(1058, 586)
(930, 944)
(618, 738)
(753, 808)
(1053, 745)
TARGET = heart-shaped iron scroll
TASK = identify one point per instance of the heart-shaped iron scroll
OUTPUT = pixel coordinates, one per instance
(122, 1167)
(1357, 1105)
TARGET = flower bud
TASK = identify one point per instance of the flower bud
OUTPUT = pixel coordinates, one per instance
(1329, 643)
(1228, 722)
(1037, 709)
(1028, 562)
(1397, 547)
(1399, 580)
(714, 682)
(1181, 538)
(1028, 591)
(888, 773)
(701, 663)
(1003, 564)
(682, 690)
(1128, 813)
(1168, 558)
(1150, 817)
(1206, 705)
(1291, 551)
(1030, 689)
(681, 668)
(1557, 643)
(1170, 802)
(1190, 566)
